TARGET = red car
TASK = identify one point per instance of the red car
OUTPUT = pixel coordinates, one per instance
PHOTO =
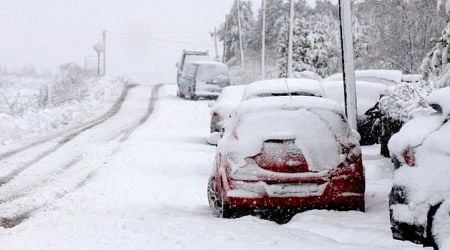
(287, 154)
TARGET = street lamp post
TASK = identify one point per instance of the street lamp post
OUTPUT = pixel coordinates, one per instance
(348, 67)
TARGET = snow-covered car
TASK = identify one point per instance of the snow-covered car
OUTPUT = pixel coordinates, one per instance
(368, 93)
(283, 87)
(191, 56)
(221, 110)
(203, 80)
(421, 155)
(386, 77)
(284, 155)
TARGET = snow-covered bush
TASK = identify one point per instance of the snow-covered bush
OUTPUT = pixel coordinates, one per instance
(70, 85)
(406, 100)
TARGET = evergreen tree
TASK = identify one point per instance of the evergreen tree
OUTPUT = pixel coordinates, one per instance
(311, 47)
(230, 36)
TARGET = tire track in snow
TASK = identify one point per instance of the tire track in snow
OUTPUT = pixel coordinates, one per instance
(150, 109)
(10, 222)
(113, 111)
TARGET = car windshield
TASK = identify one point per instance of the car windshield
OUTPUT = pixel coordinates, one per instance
(210, 72)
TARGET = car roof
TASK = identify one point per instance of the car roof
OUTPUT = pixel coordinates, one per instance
(207, 63)
(280, 86)
(389, 77)
(288, 103)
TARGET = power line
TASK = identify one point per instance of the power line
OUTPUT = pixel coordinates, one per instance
(146, 37)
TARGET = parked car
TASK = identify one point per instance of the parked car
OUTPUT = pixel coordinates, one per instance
(191, 56)
(368, 95)
(385, 77)
(265, 88)
(283, 87)
(421, 188)
(281, 155)
(221, 110)
(203, 80)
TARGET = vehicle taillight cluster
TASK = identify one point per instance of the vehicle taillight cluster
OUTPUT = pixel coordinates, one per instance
(408, 156)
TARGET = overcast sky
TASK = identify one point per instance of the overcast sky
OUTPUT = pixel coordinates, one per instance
(146, 36)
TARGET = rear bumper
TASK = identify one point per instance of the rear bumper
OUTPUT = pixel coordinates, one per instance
(343, 194)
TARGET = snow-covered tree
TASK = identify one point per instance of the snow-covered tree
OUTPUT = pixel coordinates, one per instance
(435, 67)
(400, 32)
(229, 32)
(311, 46)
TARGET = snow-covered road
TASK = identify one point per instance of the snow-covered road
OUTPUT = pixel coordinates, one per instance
(137, 180)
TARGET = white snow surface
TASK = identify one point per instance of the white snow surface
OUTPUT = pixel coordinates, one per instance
(368, 93)
(282, 87)
(148, 191)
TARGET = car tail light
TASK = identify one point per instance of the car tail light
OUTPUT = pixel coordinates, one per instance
(408, 156)
(281, 156)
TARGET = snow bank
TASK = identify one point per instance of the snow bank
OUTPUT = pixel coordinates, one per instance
(368, 93)
(35, 120)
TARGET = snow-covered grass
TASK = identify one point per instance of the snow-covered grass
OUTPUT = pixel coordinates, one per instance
(33, 106)
(149, 192)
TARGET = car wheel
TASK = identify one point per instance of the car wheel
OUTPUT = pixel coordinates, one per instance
(212, 195)
(179, 94)
(219, 204)
(431, 240)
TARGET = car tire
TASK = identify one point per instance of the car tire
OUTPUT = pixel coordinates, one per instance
(219, 204)
(212, 194)
(430, 241)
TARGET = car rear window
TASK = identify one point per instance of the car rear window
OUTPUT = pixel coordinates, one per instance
(316, 132)
(210, 72)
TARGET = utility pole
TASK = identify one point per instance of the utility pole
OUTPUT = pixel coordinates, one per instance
(225, 37)
(348, 67)
(241, 44)
(291, 37)
(104, 52)
(214, 37)
(263, 41)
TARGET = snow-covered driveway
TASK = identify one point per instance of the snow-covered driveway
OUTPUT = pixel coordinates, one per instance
(138, 181)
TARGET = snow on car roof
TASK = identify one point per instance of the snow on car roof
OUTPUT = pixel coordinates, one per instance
(207, 63)
(313, 122)
(384, 76)
(283, 86)
(368, 93)
(229, 98)
(288, 103)
(441, 97)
